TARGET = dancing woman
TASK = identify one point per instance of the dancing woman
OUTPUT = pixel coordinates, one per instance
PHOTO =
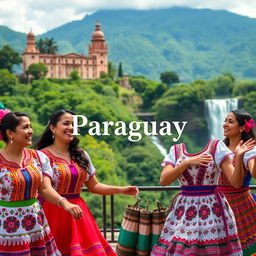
(200, 222)
(72, 168)
(238, 126)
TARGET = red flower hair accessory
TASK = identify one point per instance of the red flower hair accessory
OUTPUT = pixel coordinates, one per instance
(249, 125)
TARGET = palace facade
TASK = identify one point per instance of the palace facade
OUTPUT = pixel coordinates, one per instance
(61, 65)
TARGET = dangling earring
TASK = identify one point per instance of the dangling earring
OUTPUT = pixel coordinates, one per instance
(53, 136)
(11, 141)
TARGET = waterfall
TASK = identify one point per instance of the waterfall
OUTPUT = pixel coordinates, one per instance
(216, 111)
(156, 142)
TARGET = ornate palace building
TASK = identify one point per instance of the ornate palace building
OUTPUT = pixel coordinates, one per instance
(61, 65)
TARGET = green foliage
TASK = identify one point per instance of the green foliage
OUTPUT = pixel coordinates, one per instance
(185, 103)
(111, 70)
(244, 87)
(141, 168)
(223, 85)
(250, 103)
(120, 70)
(74, 76)
(139, 84)
(7, 82)
(169, 78)
(149, 90)
(9, 58)
(37, 70)
(176, 102)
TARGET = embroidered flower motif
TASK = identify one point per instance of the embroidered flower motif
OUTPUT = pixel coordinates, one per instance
(191, 213)
(11, 224)
(216, 209)
(204, 212)
(40, 218)
(4, 191)
(179, 212)
(28, 222)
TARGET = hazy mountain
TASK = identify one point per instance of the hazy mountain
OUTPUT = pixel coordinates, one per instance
(194, 43)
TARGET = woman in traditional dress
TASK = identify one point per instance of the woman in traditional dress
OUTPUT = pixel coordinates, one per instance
(24, 172)
(72, 168)
(239, 126)
(200, 222)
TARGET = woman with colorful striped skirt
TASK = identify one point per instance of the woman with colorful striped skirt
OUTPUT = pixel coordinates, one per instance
(72, 168)
(24, 229)
(239, 126)
(200, 222)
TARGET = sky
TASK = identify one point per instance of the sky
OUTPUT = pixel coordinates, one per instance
(43, 15)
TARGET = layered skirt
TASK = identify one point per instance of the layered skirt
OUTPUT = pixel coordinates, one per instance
(244, 208)
(76, 237)
(200, 223)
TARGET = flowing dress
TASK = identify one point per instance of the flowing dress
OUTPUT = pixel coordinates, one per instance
(24, 229)
(200, 221)
(244, 206)
(73, 237)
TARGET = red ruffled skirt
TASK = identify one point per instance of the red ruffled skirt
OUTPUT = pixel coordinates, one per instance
(76, 237)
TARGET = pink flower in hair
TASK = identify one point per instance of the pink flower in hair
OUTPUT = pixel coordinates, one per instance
(4, 112)
(249, 125)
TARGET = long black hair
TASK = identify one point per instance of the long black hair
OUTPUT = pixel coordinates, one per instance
(242, 117)
(76, 153)
(10, 121)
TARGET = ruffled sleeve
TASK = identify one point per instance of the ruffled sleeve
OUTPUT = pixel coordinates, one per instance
(170, 158)
(221, 153)
(45, 163)
(248, 156)
(92, 169)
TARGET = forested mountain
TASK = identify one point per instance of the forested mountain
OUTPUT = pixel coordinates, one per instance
(194, 43)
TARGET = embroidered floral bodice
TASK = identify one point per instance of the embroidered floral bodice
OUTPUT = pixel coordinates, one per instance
(68, 178)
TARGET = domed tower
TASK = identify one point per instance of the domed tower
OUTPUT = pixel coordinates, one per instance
(99, 48)
(31, 54)
(31, 46)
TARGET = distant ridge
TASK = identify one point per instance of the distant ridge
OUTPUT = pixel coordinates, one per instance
(195, 43)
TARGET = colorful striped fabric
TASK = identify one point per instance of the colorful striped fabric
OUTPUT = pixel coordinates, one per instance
(244, 208)
(23, 227)
(128, 236)
(140, 230)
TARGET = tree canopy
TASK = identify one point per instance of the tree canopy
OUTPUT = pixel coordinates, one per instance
(9, 58)
(169, 78)
(37, 70)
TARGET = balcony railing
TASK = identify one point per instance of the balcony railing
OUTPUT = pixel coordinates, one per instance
(112, 230)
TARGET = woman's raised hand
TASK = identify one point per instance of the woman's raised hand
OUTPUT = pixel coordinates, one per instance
(243, 147)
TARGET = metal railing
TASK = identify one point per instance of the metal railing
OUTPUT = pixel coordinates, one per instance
(112, 230)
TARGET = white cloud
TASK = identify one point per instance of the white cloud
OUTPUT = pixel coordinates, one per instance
(43, 15)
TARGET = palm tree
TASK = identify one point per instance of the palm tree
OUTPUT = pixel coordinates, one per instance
(51, 45)
(40, 45)
(47, 45)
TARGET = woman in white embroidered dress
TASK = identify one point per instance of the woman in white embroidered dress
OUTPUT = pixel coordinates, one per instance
(200, 222)
(24, 172)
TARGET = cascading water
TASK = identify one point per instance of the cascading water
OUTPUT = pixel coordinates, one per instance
(156, 142)
(216, 111)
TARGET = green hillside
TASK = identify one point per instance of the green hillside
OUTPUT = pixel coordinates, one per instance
(194, 43)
